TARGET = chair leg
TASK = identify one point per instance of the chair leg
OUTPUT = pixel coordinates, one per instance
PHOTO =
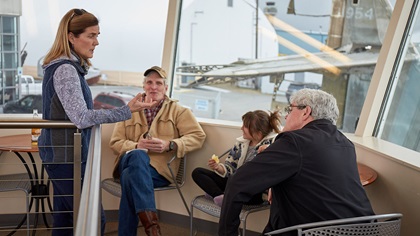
(244, 224)
(182, 197)
(179, 189)
(191, 220)
(25, 218)
(36, 216)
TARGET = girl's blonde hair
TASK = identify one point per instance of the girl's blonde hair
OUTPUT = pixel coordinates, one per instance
(75, 21)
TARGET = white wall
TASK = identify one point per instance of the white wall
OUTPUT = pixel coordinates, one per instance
(397, 187)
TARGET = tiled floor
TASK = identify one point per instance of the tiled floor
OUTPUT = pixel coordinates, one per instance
(112, 230)
(166, 229)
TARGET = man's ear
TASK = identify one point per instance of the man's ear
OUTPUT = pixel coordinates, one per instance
(308, 112)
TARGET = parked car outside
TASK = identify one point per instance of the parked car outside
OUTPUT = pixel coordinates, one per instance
(294, 87)
(24, 105)
(28, 85)
(108, 100)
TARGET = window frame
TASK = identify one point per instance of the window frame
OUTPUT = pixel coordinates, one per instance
(383, 72)
(384, 69)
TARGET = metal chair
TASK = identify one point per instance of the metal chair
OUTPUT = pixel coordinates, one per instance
(17, 182)
(113, 187)
(375, 225)
(208, 206)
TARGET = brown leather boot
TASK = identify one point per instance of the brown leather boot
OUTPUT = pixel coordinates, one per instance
(150, 222)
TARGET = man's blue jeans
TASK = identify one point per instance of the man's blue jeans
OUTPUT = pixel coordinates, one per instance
(138, 180)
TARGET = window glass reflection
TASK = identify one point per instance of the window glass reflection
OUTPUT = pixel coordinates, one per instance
(401, 122)
(9, 43)
(253, 55)
(10, 60)
(9, 24)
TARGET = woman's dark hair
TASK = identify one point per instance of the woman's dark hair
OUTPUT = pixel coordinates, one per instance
(262, 121)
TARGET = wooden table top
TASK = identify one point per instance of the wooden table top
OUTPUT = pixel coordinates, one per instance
(17, 143)
(367, 174)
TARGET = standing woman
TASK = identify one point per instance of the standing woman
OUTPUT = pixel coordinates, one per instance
(67, 97)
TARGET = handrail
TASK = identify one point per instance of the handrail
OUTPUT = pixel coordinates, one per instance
(88, 222)
(28, 124)
(87, 214)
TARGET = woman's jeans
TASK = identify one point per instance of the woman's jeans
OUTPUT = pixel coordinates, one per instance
(61, 176)
(138, 180)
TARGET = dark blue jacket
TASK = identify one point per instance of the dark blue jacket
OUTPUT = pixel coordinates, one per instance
(56, 145)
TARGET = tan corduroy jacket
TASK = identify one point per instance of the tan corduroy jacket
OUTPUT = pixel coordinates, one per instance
(173, 123)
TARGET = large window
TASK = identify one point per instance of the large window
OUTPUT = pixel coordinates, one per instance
(400, 120)
(232, 59)
(236, 56)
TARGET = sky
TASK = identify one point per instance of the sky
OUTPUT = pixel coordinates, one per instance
(132, 32)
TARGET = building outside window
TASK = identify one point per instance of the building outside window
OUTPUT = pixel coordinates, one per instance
(9, 54)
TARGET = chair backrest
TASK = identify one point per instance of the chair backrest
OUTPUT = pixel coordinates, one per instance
(376, 225)
(179, 178)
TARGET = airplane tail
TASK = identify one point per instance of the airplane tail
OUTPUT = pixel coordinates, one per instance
(364, 23)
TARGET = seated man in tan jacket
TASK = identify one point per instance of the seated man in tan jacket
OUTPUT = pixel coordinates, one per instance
(145, 143)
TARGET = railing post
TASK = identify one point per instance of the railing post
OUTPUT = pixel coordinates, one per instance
(77, 175)
(89, 220)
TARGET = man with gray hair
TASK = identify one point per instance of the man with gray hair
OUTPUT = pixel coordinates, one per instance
(311, 169)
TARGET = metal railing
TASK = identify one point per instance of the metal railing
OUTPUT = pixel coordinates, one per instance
(90, 210)
(86, 209)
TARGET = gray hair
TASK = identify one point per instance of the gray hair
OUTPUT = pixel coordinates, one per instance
(323, 105)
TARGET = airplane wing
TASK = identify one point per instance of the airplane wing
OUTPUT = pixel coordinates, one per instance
(297, 63)
(322, 62)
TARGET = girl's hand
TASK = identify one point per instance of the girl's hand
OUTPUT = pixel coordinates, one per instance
(212, 164)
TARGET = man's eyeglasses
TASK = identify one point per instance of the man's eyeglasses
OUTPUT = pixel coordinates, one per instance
(288, 109)
(78, 12)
